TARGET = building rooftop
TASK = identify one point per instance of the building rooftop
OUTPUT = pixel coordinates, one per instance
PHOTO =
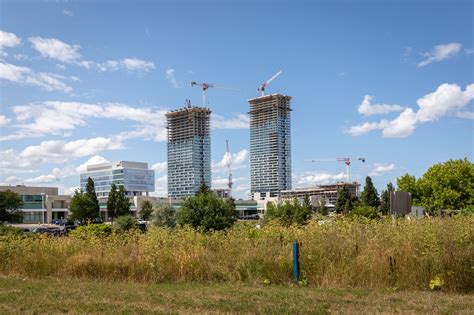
(116, 165)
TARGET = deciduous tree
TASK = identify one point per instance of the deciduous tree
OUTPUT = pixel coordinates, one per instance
(207, 211)
(10, 202)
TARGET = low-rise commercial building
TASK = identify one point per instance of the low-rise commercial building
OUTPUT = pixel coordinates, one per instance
(328, 193)
(41, 204)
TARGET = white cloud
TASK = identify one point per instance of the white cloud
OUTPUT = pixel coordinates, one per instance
(26, 76)
(58, 173)
(8, 40)
(367, 109)
(50, 178)
(134, 64)
(465, 115)
(380, 169)
(4, 120)
(160, 167)
(161, 187)
(237, 161)
(440, 53)
(68, 12)
(129, 64)
(402, 126)
(66, 53)
(59, 151)
(310, 178)
(241, 121)
(171, 78)
(56, 151)
(55, 117)
(55, 49)
(446, 100)
(469, 51)
(364, 128)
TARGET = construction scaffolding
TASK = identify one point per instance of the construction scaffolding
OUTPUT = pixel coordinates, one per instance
(188, 122)
(189, 150)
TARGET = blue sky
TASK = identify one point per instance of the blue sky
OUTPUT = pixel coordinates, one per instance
(81, 81)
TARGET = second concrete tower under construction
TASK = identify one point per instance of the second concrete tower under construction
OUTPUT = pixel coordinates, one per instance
(189, 151)
(270, 144)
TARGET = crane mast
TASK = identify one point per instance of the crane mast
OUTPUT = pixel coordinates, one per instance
(229, 155)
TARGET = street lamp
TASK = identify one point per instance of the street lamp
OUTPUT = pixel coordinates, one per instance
(42, 205)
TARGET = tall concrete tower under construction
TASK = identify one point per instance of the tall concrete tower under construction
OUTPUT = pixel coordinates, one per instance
(270, 144)
(189, 150)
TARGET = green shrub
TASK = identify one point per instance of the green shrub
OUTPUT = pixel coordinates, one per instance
(126, 222)
(91, 230)
(366, 212)
(164, 215)
(288, 213)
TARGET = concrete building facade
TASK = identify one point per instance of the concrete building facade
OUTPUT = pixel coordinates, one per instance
(189, 151)
(41, 204)
(270, 145)
(328, 193)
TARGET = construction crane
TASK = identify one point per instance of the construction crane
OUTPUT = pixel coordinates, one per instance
(204, 86)
(264, 85)
(229, 155)
(346, 161)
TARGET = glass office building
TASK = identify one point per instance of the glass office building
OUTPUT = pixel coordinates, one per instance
(270, 144)
(136, 178)
(189, 151)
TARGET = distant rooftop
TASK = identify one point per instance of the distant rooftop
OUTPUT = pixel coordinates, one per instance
(117, 165)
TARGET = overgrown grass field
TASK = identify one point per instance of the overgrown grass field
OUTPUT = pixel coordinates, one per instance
(345, 253)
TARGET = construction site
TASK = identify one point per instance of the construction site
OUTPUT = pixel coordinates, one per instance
(189, 150)
(270, 144)
(189, 158)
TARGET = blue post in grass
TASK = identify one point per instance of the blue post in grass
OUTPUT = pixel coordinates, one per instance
(296, 261)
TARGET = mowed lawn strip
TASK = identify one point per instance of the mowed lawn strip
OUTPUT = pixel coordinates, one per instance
(52, 295)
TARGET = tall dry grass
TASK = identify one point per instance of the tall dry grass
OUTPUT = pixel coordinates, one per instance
(345, 253)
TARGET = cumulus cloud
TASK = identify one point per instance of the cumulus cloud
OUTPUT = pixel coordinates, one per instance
(56, 151)
(58, 50)
(367, 109)
(364, 128)
(171, 78)
(50, 178)
(440, 53)
(161, 187)
(8, 40)
(58, 173)
(4, 120)
(237, 161)
(380, 169)
(309, 178)
(241, 121)
(160, 167)
(448, 99)
(55, 49)
(57, 118)
(26, 76)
